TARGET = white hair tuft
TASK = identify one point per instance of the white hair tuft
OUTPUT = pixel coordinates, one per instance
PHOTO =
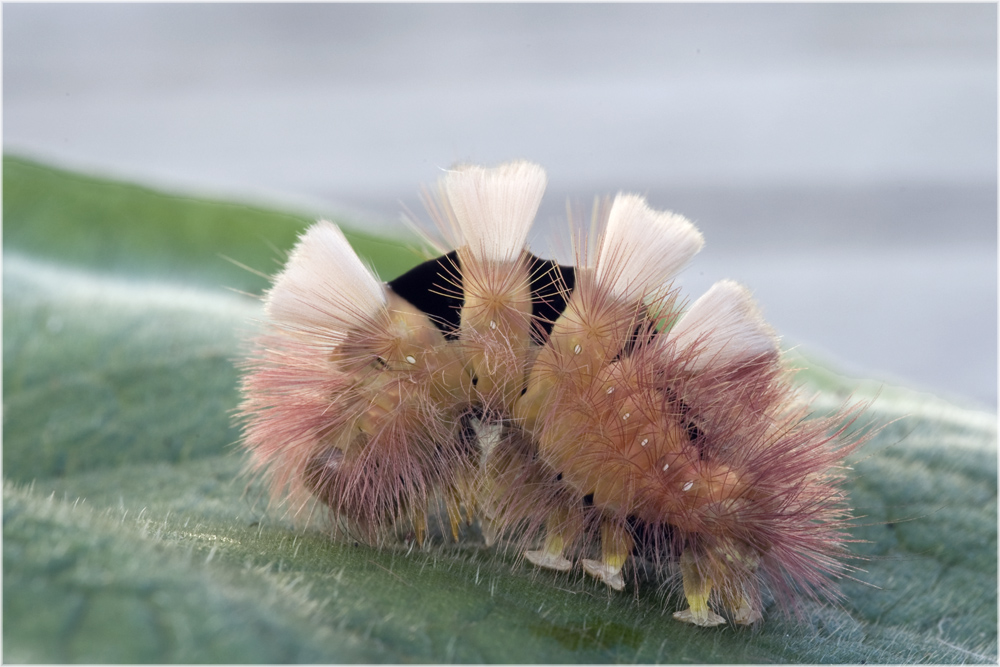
(726, 326)
(643, 249)
(494, 208)
(324, 285)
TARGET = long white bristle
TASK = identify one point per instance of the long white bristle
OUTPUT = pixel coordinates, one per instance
(494, 208)
(643, 249)
(325, 284)
(726, 325)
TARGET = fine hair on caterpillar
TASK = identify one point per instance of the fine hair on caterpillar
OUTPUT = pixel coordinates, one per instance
(581, 415)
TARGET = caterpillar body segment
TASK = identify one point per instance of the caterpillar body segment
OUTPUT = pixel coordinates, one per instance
(357, 401)
(493, 212)
(361, 393)
(496, 329)
(580, 414)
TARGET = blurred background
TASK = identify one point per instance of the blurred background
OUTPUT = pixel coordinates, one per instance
(840, 159)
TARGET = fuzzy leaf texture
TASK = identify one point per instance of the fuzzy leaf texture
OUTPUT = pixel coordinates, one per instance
(129, 536)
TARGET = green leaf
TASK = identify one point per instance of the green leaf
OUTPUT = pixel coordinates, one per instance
(133, 231)
(130, 536)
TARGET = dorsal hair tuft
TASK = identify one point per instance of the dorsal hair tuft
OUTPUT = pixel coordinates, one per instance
(494, 207)
(643, 249)
(726, 326)
(324, 285)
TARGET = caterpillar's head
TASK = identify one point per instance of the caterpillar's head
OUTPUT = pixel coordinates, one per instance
(357, 394)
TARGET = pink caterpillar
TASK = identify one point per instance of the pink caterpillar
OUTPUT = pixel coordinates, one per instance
(580, 411)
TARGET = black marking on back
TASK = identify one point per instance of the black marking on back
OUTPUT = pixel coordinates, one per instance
(643, 334)
(435, 287)
(687, 416)
(695, 435)
(430, 287)
(551, 286)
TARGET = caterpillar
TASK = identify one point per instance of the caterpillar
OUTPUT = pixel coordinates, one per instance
(579, 413)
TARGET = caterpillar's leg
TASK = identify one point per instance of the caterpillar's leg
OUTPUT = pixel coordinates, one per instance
(490, 531)
(697, 588)
(487, 514)
(453, 506)
(561, 528)
(616, 547)
(419, 525)
(460, 504)
(744, 613)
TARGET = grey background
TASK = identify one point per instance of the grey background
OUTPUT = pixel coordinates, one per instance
(840, 159)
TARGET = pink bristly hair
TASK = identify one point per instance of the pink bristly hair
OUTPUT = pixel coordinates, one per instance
(353, 396)
(682, 441)
(622, 427)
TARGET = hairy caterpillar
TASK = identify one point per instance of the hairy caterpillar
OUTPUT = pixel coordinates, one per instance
(581, 413)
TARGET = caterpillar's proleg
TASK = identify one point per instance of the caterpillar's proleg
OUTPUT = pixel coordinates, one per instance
(744, 611)
(562, 528)
(697, 589)
(461, 505)
(616, 548)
